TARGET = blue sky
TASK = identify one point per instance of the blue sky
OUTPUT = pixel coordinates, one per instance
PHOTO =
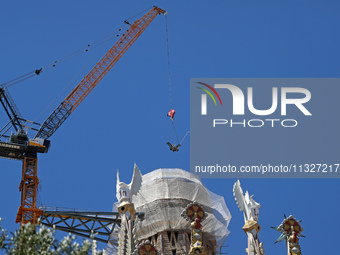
(124, 119)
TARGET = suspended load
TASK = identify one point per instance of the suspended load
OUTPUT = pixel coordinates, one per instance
(171, 114)
(174, 147)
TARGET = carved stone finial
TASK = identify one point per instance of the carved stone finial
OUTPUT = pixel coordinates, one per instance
(125, 191)
(251, 227)
(194, 212)
(290, 230)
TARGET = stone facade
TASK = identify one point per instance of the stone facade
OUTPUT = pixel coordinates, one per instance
(176, 243)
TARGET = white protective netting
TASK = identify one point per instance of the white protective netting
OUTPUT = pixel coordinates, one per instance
(163, 196)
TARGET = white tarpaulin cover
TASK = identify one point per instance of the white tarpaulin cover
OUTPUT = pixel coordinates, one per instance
(163, 196)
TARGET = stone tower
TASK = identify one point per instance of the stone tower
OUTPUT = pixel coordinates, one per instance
(172, 212)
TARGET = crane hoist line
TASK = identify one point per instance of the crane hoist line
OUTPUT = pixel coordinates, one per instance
(21, 147)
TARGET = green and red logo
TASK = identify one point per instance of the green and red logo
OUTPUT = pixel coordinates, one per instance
(204, 97)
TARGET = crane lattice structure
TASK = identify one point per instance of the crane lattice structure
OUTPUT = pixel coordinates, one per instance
(20, 147)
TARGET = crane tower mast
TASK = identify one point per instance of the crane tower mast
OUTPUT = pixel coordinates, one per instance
(27, 151)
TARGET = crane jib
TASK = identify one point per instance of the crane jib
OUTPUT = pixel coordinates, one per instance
(77, 95)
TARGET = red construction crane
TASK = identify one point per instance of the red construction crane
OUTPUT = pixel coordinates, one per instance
(21, 147)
